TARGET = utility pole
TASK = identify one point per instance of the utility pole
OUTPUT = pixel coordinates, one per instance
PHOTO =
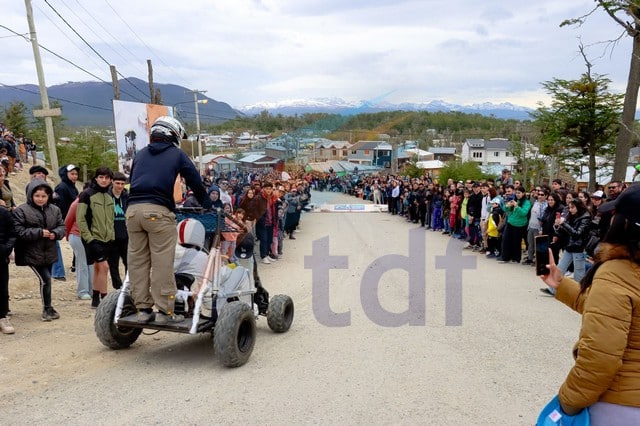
(114, 81)
(196, 101)
(45, 112)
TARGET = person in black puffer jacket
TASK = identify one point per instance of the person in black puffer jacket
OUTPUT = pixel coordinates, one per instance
(547, 221)
(576, 226)
(7, 241)
(38, 224)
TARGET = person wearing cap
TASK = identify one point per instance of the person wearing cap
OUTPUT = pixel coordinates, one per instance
(38, 172)
(95, 218)
(606, 373)
(63, 195)
(505, 178)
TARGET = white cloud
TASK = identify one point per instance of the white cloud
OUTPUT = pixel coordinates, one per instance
(247, 51)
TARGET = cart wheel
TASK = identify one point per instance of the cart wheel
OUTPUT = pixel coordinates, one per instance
(280, 313)
(234, 334)
(111, 335)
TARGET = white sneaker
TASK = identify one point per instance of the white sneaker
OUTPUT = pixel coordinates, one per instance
(6, 327)
(266, 260)
(272, 259)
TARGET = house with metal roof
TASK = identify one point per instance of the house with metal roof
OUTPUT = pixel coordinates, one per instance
(260, 161)
(219, 163)
(443, 154)
(326, 149)
(373, 153)
(487, 152)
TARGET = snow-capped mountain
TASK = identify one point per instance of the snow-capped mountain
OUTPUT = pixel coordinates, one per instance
(340, 106)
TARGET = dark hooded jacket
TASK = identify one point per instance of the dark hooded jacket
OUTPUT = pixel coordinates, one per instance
(212, 205)
(7, 234)
(29, 220)
(154, 171)
(65, 192)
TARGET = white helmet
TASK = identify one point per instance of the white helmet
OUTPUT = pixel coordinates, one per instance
(169, 127)
(191, 232)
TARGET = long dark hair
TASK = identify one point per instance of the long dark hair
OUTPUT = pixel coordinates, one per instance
(622, 232)
(580, 207)
(522, 199)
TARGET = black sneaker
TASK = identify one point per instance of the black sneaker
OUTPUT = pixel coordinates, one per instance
(144, 315)
(95, 300)
(53, 313)
(60, 278)
(49, 314)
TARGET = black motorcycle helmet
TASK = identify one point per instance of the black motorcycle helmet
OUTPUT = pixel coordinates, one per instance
(244, 248)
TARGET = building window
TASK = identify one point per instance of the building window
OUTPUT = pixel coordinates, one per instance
(477, 154)
(507, 154)
(367, 152)
(354, 152)
(334, 152)
(344, 152)
(496, 154)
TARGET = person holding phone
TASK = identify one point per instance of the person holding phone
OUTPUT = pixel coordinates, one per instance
(606, 375)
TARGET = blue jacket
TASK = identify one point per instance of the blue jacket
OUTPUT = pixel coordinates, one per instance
(154, 172)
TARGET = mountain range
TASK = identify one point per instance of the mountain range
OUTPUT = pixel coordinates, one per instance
(504, 110)
(90, 103)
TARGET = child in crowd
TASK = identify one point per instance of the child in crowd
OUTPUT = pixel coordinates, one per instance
(228, 245)
(493, 234)
(38, 224)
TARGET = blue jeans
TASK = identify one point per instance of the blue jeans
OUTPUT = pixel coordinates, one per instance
(58, 267)
(84, 272)
(579, 268)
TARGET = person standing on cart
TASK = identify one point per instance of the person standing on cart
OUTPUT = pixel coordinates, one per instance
(151, 222)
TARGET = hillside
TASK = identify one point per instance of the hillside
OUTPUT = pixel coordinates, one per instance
(90, 103)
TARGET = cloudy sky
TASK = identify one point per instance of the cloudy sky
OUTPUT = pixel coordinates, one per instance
(248, 51)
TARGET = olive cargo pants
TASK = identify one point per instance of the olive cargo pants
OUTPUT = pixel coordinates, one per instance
(152, 244)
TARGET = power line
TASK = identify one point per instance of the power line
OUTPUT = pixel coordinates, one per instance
(95, 51)
(54, 97)
(142, 41)
(72, 41)
(106, 30)
(67, 60)
(91, 29)
(193, 114)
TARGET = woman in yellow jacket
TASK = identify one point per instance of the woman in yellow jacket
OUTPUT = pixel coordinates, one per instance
(606, 374)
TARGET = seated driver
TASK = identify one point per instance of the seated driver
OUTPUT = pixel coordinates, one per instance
(190, 258)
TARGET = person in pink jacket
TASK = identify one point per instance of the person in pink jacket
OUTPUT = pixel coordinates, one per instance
(84, 273)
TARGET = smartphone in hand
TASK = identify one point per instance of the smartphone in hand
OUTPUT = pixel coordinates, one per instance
(542, 254)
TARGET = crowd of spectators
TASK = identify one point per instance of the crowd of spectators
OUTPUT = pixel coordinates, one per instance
(499, 217)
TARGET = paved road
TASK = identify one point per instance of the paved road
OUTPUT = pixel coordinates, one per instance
(506, 359)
